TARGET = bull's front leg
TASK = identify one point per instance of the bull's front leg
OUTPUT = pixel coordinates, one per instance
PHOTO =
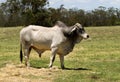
(52, 58)
(62, 61)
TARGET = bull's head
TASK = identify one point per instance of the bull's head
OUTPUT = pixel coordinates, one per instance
(80, 31)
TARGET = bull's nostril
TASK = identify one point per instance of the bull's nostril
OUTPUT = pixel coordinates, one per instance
(87, 36)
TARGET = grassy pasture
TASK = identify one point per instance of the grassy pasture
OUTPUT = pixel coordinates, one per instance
(93, 60)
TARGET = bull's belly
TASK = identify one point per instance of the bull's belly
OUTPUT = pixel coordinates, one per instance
(63, 49)
(41, 46)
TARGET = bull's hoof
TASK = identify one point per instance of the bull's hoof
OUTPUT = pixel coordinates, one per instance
(50, 66)
(40, 55)
(27, 65)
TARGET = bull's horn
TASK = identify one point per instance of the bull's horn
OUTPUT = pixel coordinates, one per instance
(78, 24)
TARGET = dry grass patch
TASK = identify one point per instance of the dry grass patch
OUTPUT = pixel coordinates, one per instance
(19, 73)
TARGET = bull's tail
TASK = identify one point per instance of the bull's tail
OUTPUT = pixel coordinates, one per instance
(21, 54)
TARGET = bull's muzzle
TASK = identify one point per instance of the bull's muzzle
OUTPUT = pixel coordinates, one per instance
(85, 36)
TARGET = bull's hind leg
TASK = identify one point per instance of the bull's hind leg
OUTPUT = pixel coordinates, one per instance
(26, 54)
(52, 58)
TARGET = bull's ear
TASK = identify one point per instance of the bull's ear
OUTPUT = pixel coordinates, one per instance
(73, 29)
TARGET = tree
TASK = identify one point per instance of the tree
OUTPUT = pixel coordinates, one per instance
(10, 10)
(34, 11)
(112, 15)
(118, 16)
(2, 18)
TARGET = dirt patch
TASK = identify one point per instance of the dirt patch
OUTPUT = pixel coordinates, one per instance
(19, 73)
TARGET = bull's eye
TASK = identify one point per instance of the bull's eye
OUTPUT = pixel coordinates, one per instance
(81, 31)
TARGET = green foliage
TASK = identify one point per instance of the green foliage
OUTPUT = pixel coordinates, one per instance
(34, 12)
(26, 12)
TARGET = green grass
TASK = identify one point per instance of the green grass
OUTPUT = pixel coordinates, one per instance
(9, 45)
(95, 60)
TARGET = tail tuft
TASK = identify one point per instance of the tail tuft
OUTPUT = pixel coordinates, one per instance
(21, 54)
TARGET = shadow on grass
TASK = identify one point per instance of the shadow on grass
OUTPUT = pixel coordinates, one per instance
(76, 69)
(39, 67)
(65, 68)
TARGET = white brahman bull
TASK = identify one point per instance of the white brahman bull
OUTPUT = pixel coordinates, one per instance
(60, 39)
